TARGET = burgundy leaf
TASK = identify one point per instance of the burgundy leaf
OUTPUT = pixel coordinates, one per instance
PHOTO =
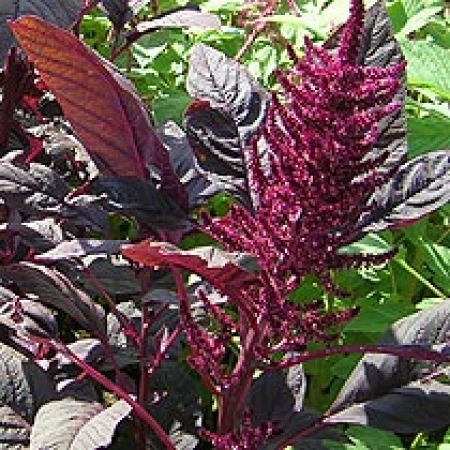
(222, 269)
(53, 288)
(419, 187)
(57, 12)
(106, 112)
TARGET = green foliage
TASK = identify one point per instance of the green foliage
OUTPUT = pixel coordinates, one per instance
(365, 438)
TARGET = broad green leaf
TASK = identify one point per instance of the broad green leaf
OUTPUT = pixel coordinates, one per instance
(371, 244)
(428, 134)
(428, 65)
(376, 318)
(418, 21)
(437, 258)
(367, 438)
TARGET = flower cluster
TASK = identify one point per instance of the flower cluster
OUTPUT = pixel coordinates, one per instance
(312, 169)
(247, 437)
(321, 170)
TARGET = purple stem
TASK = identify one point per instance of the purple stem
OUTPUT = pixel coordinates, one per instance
(126, 324)
(108, 384)
(402, 351)
(143, 385)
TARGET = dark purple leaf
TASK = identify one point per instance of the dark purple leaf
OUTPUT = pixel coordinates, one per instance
(140, 199)
(384, 386)
(118, 11)
(226, 84)
(201, 181)
(28, 316)
(220, 268)
(379, 48)
(57, 12)
(415, 408)
(124, 349)
(106, 113)
(39, 189)
(419, 187)
(89, 350)
(23, 385)
(79, 388)
(77, 425)
(115, 276)
(230, 107)
(177, 407)
(38, 234)
(278, 397)
(186, 16)
(53, 288)
(14, 430)
(77, 248)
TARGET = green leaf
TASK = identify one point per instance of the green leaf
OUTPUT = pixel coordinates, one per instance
(428, 65)
(367, 438)
(170, 107)
(427, 134)
(437, 258)
(376, 318)
(418, 21)
(371, 244)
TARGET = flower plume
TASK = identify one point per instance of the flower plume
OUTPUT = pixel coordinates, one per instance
(320, 172)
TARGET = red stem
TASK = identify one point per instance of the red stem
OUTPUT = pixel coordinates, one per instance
(126, 324)
(108, 384)
(403, 351)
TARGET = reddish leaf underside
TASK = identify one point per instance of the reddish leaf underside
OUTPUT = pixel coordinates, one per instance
(222, 269)
(102, 106)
